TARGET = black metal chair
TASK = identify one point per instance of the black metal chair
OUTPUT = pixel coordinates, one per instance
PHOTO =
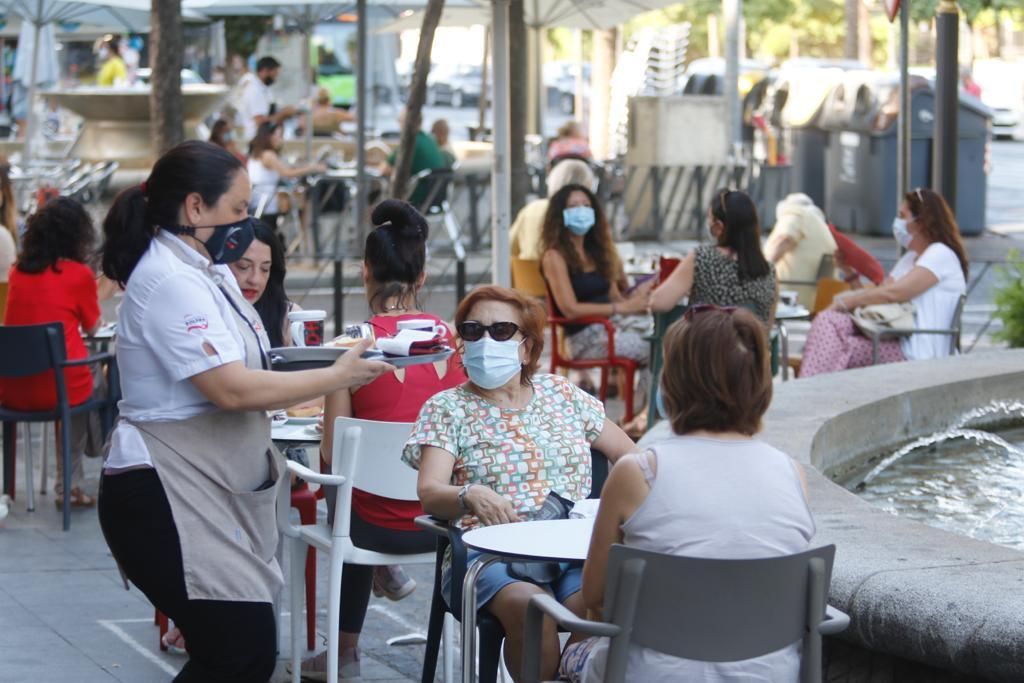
(27, 350)
(490, 631)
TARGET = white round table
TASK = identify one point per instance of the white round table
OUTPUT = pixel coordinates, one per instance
(558, 540)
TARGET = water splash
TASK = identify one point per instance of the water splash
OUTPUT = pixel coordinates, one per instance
(959, 430)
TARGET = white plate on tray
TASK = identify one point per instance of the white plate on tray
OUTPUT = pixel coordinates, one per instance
(310, 357)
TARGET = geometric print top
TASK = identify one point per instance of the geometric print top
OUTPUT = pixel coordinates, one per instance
(716, 280)
(520, 454)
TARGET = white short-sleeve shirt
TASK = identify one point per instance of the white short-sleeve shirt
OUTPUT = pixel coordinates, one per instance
(171, 308)
(255, 100)
(934, 308)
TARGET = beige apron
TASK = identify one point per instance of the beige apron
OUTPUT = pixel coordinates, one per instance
(221, 474)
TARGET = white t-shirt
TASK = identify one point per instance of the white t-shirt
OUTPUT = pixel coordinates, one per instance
(255, 100)
(8, 253)
(934, 308)
(264, 186)
(170, 308)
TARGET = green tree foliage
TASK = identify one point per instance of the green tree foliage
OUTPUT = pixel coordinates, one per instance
(243, 33)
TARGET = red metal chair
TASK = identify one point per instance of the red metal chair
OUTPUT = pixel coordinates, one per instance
(304, 500)
(628, 366)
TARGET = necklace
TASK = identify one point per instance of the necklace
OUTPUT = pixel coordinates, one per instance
(397, 306)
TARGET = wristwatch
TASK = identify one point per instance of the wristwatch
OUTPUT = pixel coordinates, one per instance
(462, 497)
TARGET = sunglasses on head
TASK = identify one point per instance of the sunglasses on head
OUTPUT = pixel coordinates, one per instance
(471, 330)
(697, 309)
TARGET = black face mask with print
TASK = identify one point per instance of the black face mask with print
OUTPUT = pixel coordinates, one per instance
(228, 241)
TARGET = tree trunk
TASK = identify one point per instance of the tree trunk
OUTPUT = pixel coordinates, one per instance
(601, 90)
(864, 42)
(850, 44)
(167, 49)
(417, 96)
(519, 63)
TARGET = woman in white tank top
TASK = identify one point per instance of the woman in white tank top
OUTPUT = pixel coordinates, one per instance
(710, 490)
(266, 168)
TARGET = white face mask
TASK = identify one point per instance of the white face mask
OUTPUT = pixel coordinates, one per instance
(491, 364)
(901, 233)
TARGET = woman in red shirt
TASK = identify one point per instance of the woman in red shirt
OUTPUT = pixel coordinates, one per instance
(51, 282)
(393, 271)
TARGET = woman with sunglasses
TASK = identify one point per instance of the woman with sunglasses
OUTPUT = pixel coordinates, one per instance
(732, 271)
(710, 489)
(393, 273)
(932, 275)
(492, 450)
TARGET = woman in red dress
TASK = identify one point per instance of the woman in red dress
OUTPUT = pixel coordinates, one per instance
(393, 272)
(51, 282)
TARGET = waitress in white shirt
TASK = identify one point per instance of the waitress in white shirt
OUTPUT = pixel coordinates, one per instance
(187, 497)
(932, 275)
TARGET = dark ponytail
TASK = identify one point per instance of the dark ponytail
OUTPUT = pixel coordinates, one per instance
(396, 251)
(742, 233)
(138, 212)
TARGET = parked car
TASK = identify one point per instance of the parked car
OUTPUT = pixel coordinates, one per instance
(188, 76)
(456, 86)
(1002, 90)
(560, 85)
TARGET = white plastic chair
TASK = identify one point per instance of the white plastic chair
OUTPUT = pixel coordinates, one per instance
(366, 455)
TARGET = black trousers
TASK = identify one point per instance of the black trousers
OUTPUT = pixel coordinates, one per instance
(228, 642)
(357, 579)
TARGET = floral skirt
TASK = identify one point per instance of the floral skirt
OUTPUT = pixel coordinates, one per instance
(834, 343)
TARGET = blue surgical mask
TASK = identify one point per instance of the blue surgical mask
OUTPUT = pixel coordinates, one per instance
(900, 232)
(491, 364)
(579, 219)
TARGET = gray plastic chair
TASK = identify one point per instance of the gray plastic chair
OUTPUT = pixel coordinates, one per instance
(953, 332)
(703, 609)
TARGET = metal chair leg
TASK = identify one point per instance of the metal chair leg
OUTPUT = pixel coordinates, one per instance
(45, 465)
(30, 487)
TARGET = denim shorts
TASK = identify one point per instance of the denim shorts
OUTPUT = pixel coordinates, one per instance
(496, 576)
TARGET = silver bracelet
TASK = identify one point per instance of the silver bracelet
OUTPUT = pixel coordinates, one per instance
(462, 497)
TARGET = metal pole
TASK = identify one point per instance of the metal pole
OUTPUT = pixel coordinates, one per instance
(501, 173)
(362, 107)
(308, 26)
(30, 114)
(541, 92)
(732, 10)
(947, 101)
(903, 122)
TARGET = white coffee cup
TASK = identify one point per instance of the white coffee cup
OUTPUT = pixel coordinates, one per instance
(307, 327)
(422, 325)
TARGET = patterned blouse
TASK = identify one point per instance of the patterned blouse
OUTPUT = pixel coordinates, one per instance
(521, 454)
(716, 280)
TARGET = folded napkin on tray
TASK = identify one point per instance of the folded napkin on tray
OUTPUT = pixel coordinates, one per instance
(411, 343)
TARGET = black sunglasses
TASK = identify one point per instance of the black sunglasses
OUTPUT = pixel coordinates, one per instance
(471, 330)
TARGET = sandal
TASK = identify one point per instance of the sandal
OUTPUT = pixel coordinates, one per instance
(79, 499)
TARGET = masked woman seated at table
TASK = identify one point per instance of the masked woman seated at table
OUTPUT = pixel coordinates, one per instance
(730, 272)
(491, 450)
(932, 275)
(710, 489)
(583, 272)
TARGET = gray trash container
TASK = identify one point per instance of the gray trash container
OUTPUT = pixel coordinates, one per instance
(797, 101)
(861, 157)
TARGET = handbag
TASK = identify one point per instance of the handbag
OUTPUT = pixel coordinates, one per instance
(882, 317)
(555, 507)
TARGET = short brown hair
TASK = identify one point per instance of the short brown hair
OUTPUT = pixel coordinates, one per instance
(717, 372)
(531, 317)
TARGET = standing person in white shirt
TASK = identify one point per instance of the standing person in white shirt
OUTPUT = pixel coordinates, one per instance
(932, 275)
(188, 494)
(256, 102)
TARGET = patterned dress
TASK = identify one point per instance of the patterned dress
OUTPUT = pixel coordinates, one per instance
(716, 280)
(521, 454)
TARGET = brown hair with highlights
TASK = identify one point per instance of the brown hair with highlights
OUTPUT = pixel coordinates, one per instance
(717, 373)
(531, 320)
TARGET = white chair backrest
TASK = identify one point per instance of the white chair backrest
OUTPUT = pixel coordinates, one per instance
(378, 467)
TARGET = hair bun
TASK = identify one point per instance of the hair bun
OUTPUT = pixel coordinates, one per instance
(402, 216)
